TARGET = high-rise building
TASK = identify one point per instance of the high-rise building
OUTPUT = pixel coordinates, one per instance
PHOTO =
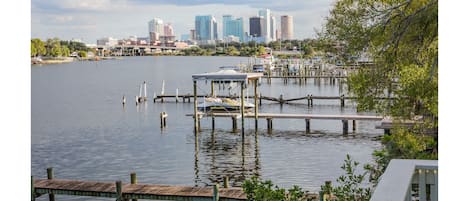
(206, 29)
(155, 29)
(192, 34)
(266, 14)
(256, 31)
(226, 20)
(233, 27)
(273, 28)
(287, 27)
(168, 30)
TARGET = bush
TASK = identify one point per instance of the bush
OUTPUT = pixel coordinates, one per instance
(257, 190)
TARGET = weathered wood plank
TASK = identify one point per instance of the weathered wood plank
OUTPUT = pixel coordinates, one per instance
(298, 116)
(133, 191)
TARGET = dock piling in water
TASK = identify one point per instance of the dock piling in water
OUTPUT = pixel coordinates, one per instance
(345, 127)
(226, 181)
(50, 175)
(119, 191)
(216, 196)
(133, 180)
(163, 116)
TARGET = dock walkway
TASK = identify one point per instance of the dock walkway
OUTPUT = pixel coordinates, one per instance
(122, 191)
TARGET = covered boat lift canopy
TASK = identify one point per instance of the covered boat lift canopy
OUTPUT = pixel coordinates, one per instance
(228, 76)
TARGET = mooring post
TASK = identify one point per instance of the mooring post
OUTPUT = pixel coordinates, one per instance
(354, 125)
(342, 101)
(307, 125)
(216, 196)
(212, 88)
(119, 191)
(226, 181)
(133, 180)
(345, 127)
(256, 105)
(50, 175)
(213, 123)
(163, 116)
(196, 123)
(269, 125)
(234, 126)
(243, 85)
(33, 193)
(177, 95)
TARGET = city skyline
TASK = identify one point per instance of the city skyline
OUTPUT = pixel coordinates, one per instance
(89, 20)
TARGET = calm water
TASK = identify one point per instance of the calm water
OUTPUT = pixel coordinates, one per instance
(80, 128)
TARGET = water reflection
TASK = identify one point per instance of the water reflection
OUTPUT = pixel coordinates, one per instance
(225, 154)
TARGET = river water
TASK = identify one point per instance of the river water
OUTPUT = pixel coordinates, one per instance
(80, 128)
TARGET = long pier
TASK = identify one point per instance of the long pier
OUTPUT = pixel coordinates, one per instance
(307, 117)
(309, 98)
(126, 191)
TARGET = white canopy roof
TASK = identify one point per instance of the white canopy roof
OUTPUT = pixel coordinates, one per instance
(227, 75)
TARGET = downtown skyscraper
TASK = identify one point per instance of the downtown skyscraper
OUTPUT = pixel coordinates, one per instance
(286, 27)
(233, 27)
(155, 29)
(206, 29)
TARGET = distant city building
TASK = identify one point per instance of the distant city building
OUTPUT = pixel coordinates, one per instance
(226, 19)
(278, 34)
(273, 28)
(206, 29)
(256, 31)
(109, 42)
(286, 27)
(266, 27)
(168, 30)
(231, 38)
(192, 34)
(233, 27)
(155, 29)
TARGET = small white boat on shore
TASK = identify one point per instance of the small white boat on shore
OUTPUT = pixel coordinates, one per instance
(222, 104)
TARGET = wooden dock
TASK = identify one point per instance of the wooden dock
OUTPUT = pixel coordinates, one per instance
(127, 191)
(307, 117)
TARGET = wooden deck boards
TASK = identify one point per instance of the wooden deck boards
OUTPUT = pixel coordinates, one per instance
(147, 191)
(296, 116)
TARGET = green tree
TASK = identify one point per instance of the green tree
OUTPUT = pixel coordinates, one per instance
(258, 190)
(82, 54)
(260, 50)
(232, 51)
(65, 51)
(37, 47)
(53, 47)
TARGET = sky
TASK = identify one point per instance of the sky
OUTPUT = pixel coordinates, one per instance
(89, 20)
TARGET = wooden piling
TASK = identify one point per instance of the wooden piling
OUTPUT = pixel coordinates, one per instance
(345, 127)
(196, 119)
(226, 181)
(256, 105)
(243, 85)
(354, 125)
(269, 125)
(50, 175)
(133, 180)
(234, 126)
(342, 101)
(213, 123)
(119, 191)
(163, 117)
(216, 196)
(307, 121)
(33, 193)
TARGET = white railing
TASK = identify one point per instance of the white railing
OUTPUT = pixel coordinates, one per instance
(408, 180)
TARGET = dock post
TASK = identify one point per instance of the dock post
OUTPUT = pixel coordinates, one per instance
(344, 127)
(226, 181)
(354, 125)
(234, 126)
(163, 116)
(260, 99)
(133, 180)
(212, 87)
(177, 95)
(119, 191)
(342, 101)
(243, 85)
(269, 125)
(307, 125)
(196, 118)
(256, 105)
(50, 175)
(213, 123)
(216, 196)
(33, 193)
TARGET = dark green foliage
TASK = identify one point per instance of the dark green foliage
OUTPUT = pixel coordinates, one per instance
(257, 190)
(351, 185)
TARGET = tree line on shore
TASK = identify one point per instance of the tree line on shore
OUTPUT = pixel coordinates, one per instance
(54, 47)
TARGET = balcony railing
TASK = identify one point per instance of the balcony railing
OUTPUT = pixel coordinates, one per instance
(408, 180)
